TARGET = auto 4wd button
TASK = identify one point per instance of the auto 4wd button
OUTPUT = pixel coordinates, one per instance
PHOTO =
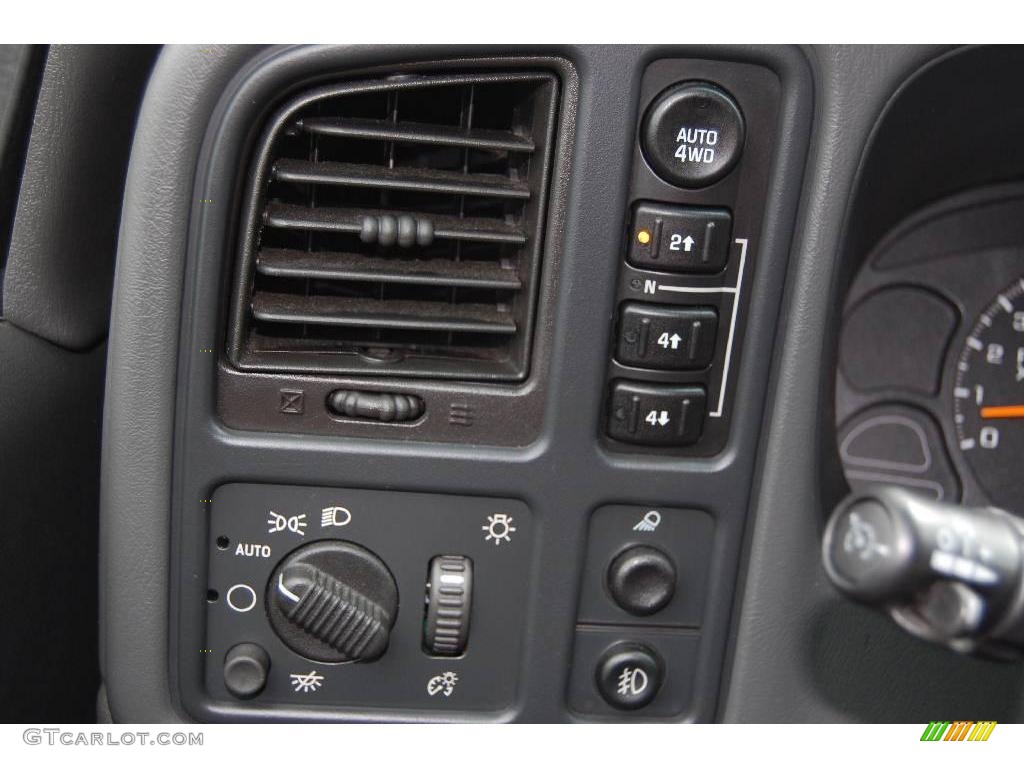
(692, 135)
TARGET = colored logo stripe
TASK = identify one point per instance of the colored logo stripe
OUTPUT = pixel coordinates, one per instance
(960, 730)
(982, 730)
(957, 731)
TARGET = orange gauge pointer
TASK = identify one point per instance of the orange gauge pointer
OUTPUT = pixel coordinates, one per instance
(1003, 412)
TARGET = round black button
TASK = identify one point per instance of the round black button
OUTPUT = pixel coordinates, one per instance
(245, 670)
(642, 580)
(629, 676)
(692, 135)
(856, 544)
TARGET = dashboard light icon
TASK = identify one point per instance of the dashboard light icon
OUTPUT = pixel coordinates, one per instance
(335, 517)
(649, 522)
(499, 528)
(295, 523)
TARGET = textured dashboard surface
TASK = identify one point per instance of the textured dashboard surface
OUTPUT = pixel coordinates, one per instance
(61, 258)
(803, 654)
(144, 331)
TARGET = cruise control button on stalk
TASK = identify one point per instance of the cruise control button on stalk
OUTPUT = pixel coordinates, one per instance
(864, 539)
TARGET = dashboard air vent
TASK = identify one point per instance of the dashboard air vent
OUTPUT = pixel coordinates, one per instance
(395, 226)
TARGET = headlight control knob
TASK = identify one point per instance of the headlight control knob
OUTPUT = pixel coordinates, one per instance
(333, 601)
(449, 600)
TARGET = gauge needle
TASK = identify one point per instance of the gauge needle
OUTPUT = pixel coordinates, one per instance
(1003, 412)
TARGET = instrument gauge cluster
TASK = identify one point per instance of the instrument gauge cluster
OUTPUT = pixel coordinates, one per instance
(988, 397)
(930, 379)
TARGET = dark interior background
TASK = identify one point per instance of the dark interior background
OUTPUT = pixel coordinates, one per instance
(67, 115)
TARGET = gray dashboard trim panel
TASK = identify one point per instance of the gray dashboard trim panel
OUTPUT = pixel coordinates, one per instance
(802, 653)
(161, 219)
(785, 590)
(138, 417)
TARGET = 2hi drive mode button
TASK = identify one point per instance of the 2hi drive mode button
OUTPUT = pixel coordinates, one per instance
(692, 135)
(670, 238)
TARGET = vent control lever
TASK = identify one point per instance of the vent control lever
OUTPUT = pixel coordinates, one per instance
(378, 406)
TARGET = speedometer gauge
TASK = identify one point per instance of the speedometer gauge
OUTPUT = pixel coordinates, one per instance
(989, 399)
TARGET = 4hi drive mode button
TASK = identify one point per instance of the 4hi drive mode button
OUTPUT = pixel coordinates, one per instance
(692, 135)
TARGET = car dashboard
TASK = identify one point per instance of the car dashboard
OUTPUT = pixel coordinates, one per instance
(520, 383)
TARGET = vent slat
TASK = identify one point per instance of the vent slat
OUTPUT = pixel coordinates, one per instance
(408, 179)
(481, 230)
(416, 133)
(394, 226)
(327, 265)
(343, 311)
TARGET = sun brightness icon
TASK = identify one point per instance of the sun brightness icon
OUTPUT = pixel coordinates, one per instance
(499, 528)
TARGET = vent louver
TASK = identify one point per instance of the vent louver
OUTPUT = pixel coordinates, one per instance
(395, 226)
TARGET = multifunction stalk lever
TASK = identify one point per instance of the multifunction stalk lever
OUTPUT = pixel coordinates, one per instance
(946, 573)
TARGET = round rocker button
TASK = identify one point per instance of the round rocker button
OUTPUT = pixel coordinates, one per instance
(642, 580)
(629, 675)
(245, 670)
(692, 135)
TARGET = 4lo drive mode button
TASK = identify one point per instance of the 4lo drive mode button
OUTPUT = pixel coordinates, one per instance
(666, 338)
(656, 414)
